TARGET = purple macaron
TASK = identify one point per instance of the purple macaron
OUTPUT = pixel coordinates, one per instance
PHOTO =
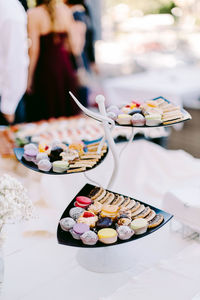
(30, 150)
(30, 158)
(78, 229)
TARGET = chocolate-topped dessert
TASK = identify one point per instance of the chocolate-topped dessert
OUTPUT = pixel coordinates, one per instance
(104, 222)
(55, 154)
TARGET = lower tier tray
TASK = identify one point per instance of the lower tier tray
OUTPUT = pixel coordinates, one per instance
(65, 237)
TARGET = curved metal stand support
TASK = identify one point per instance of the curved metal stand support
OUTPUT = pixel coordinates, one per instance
(90, 113)
(129, 141)
(100, 100)
(108, 125)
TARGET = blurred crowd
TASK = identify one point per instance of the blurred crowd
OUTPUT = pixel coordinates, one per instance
(45, 52)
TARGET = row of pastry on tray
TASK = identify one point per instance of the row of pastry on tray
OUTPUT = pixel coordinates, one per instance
(150, 113)
(61, 158)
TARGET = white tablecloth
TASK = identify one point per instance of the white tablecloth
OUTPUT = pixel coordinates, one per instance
(175, 278)
(184, 203)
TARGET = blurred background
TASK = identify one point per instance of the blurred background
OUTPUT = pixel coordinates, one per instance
(159, 42)
(149, 48)
(142, 50)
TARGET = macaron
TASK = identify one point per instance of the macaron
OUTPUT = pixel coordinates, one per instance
(125, 232)
(79, 229)
(153, 119)
(139, 226)
(30, 158)
(44, 165)
(30, 150)
(60, 166)
(67, 223)
(41, 156)
(89, 238)
(124, 119)
(138, 120)
(107, 235)
(95, 208)
(110, 211)
(75, 212)
(82, 201)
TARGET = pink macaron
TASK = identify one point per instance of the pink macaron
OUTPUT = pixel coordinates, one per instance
(82, 201)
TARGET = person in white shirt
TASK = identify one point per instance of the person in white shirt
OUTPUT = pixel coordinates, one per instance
(13, 56)
(24, 4)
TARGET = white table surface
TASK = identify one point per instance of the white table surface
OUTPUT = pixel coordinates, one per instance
(36, 267)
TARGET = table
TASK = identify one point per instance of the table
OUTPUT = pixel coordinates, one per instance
(184, 202)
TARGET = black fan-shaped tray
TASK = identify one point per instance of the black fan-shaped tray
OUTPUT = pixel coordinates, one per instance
(66, 238)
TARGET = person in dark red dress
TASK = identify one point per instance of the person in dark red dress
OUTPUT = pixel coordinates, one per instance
(54, 37)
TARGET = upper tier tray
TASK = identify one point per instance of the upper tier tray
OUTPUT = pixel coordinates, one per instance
(168, 107)
(19, 152)
(66, 238)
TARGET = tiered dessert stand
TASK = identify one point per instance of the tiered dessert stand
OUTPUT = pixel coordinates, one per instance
(119, 256)
(103, 258)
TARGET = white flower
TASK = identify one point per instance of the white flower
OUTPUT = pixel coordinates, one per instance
(15, 204)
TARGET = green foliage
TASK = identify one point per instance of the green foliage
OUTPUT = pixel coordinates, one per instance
(166, 9)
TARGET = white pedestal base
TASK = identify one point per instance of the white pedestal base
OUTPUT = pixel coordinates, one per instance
(107, 260)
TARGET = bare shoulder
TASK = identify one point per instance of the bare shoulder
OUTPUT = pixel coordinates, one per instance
(63, 9)
(36, 12)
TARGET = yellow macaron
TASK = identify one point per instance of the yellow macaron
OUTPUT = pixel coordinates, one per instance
(107, 235)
